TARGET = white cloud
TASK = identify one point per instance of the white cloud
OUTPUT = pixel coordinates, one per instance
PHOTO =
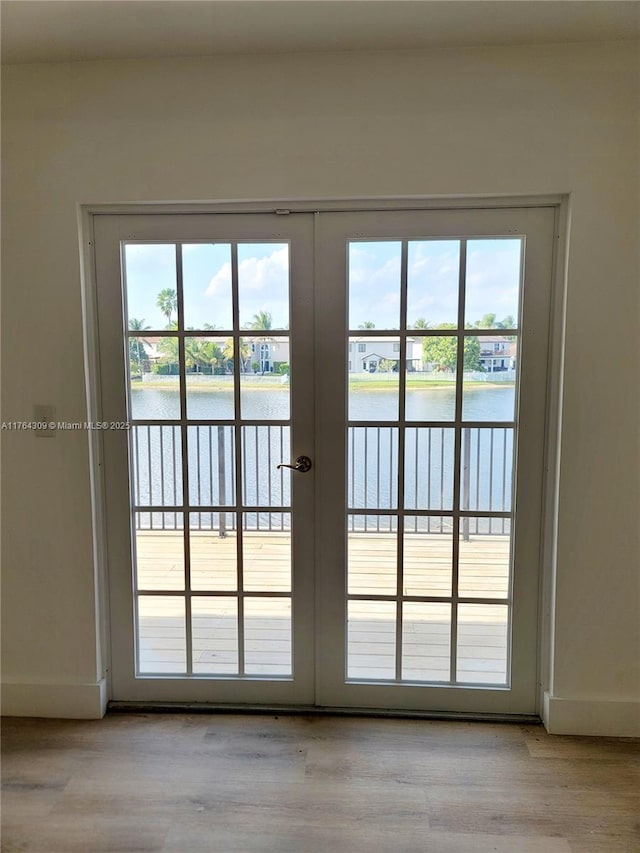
(263, 285)
(220, 284)
(255, 275)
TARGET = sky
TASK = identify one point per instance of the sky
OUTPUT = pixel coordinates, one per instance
(262, 282)
(492, 281)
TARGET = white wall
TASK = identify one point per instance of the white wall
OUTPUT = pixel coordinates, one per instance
(477, 121)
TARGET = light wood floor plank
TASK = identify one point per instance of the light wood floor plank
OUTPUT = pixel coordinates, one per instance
(213, 783)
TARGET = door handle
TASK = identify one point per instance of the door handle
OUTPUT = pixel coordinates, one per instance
(302, 464)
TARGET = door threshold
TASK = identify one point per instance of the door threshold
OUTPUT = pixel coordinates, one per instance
(120, 707)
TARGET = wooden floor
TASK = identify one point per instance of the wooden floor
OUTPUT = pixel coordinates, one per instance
(304, 784)
(372, 571)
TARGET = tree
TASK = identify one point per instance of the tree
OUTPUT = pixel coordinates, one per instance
(488, 322)
(442, 352)
(137, 351)
(387, 365)
(194, 355)
(203, 355)
(508, 323)
(212, 355)
(421, 323)
(244, 353)
(169, 348)
(262, 320)
(368, 324)
(167, 302)
(471, 354)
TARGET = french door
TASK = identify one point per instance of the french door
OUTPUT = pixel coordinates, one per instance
(206, 332)
(330, 489)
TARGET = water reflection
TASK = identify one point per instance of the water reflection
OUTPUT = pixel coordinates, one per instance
(423, 404)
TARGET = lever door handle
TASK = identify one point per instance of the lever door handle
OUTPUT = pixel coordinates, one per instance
(302, 464)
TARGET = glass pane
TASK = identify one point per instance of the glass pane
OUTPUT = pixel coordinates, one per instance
(263, 285)
(373, 467)
(151, 291)
(139, 359)
(431, 381)
(415, 356)
(428, 555)
(159, 550)
(209, 378)
(213, 551)
(373, 523)
(214, 628)
(374, 285)
(263, 447)
(212, 472)
(371, 633)
(155, 389)
(267, 636)
(206, 286)
(482, 643)
(156, 455)
(169, 520)
(489, 391)
(492, 297)
(266, 552)
(487, 469)
(428, 476)
(426, 641)
(162, 634)
(485, 557)
(264, 381)
(373, 378)
(432, 283)
(373, 557)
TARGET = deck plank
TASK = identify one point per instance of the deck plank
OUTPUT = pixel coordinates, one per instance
(484, 562)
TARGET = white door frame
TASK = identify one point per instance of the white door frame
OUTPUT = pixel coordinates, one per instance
(87, 215)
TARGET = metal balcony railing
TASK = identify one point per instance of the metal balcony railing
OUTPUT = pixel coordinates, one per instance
(486, 474)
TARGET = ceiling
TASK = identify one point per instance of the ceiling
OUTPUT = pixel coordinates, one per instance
(66, 30)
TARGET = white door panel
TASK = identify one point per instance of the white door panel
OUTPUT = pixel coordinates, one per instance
(438, 569)
(210, 545)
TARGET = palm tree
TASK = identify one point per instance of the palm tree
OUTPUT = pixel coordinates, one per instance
(368, 324)
(199, 353)
(244, 352)
(137, 352)
(262, 321)
(421, 323)
(168, 364)
(167, 302)
(192, 354)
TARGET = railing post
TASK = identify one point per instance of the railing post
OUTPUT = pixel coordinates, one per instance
(466, 479)
(222, 487)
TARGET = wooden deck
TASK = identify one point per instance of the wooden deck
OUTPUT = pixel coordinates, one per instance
(482, 628)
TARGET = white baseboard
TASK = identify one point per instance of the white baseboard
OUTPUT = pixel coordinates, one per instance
(604, 718)
(70, 701)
